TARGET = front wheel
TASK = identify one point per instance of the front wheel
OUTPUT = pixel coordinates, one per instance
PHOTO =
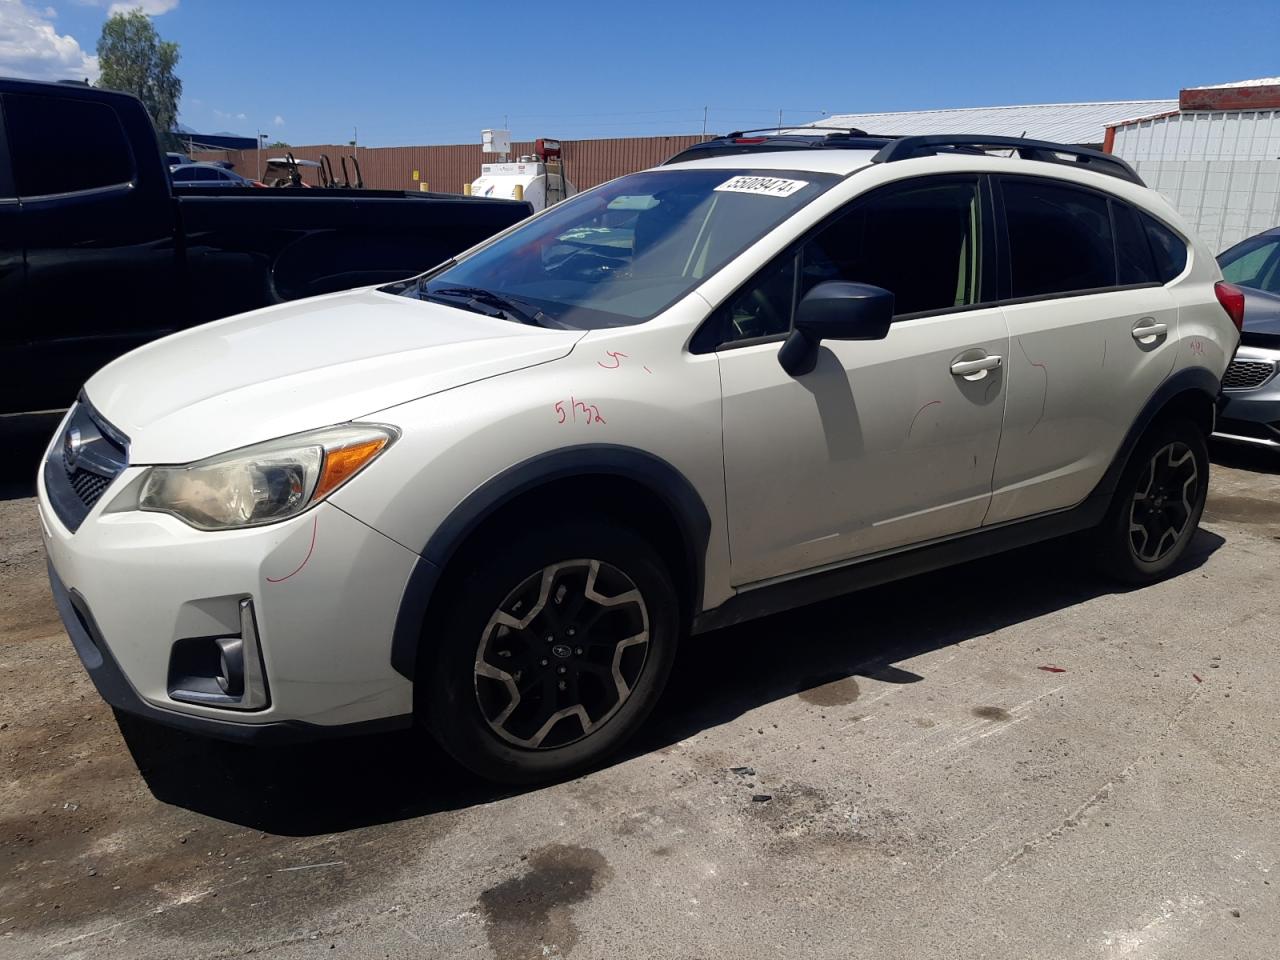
(555, 649)
(1157, 505)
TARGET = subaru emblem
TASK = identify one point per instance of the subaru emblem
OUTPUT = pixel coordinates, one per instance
(71, 445)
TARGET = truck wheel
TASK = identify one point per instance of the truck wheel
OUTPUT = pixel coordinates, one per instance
(1157, 505)
(554, 650)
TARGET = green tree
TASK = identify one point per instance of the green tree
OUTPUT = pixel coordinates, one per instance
(134, 59)
(279, 145)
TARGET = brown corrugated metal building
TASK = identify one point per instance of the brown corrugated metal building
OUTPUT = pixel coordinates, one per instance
(446, 168)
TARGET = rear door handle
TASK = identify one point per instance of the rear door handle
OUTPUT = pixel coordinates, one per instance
(975, 369)
(1148, 329)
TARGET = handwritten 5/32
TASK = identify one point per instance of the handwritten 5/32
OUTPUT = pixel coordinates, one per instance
(578, 410)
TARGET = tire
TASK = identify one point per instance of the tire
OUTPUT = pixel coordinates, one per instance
(1157, 504)
(523, 637)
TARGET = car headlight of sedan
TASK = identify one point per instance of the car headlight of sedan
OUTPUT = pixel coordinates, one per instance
(264, 483)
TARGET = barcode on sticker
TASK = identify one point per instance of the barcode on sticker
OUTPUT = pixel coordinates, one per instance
(769, 186)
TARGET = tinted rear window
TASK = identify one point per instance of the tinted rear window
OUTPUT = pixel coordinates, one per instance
(1059, 238)
(1170, 250)
(1134, 261)
(65, 145)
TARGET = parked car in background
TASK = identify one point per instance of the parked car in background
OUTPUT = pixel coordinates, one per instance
(206, 176)
(493, 499)
(1250, 387)
(98, 256)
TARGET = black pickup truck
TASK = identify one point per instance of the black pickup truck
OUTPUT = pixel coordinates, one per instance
(99, 254)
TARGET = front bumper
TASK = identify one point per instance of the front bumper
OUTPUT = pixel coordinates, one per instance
(325, 589)
(115, 689)
(1252, 415)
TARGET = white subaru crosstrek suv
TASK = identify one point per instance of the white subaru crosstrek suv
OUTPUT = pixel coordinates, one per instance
(493, 498)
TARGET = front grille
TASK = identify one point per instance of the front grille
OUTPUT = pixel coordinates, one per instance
(1248, 374)
(89, 487)
(88, 455)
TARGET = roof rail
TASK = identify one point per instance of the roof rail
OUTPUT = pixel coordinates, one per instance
(798, 131)
(769, 139)
(1045, 151)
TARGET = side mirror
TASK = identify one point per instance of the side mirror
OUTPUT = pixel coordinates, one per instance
(835, 311)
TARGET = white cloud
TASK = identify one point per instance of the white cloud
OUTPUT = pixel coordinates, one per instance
(152, 8)
(278, 121)
(227, 115)
(31, 47)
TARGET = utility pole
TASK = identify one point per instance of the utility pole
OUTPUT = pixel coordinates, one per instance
(704, 121)
(261, 146)
(779, 119)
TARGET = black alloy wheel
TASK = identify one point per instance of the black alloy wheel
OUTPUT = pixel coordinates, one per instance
(554, 646)
(1164, 503)
(561, 654)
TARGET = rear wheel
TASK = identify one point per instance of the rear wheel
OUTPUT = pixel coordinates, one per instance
(1157, 505)
(553, 652)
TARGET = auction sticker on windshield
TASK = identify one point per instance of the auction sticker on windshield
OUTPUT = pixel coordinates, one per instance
(769, 186)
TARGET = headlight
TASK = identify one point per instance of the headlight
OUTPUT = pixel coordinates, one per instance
(264, 483)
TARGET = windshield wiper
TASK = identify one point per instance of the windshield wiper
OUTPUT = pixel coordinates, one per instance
(487, 298)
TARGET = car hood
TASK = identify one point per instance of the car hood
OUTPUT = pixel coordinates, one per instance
(303, 365)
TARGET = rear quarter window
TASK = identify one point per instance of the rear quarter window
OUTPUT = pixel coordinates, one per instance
(1135, 262)
(1170, 250)
(65, 145)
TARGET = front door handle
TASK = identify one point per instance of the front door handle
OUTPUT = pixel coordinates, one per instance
(1148, 329)
(975, 369)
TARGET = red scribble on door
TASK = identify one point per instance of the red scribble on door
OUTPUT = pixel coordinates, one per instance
(1044, 400)
(917, 416)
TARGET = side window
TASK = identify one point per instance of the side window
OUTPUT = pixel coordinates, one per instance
(920, 242)
(763, 308)
(65, 145)
(1170, 249)
(1059, 238)
(1258, 267)
(1134, 262)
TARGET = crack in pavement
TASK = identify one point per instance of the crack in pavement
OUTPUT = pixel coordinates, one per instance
(1099, 795)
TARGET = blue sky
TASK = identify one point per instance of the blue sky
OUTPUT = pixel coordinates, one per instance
(407, 72)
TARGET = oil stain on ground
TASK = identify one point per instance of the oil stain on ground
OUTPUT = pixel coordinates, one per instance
(992, 713)
(530, 915)
(828, 692)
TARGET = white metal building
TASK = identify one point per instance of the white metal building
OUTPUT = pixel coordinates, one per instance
(1216, 157)
(1079, 124)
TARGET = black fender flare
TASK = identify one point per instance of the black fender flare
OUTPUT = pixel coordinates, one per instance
(1187, 380)
(658, 476)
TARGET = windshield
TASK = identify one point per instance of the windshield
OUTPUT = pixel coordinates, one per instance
(627, 250)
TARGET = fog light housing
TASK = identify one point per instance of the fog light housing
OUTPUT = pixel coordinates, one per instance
(222, 672)
(230, 678)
